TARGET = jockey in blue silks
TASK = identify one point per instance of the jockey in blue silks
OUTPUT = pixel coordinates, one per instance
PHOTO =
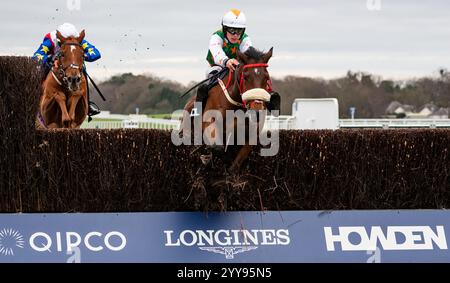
(50, 46)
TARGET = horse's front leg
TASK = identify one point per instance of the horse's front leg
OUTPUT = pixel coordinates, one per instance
(73, 102)
(61, 100)
(240, 158)
(77, 116)
(214, 126)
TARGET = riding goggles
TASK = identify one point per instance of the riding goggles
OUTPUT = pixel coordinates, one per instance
(235, 31)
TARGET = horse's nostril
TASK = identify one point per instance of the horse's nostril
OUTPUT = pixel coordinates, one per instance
(74, 80)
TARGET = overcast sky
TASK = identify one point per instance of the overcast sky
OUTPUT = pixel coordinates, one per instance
(320, 38)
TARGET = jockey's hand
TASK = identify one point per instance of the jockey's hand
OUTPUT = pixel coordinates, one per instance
(232, 63)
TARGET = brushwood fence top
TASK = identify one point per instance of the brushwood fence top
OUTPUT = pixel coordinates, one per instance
(123, 170)
(284, 122)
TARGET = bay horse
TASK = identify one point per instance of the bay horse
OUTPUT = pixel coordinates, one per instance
(63, 103)
(247, 88)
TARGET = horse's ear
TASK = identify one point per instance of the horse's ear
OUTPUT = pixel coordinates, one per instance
(268, 55)
(242, 58)
(60, 37)
(81, 36)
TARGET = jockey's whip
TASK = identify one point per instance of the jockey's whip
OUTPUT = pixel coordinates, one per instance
(189, 90)
(213, 77)
(88, 92)
(95, 86)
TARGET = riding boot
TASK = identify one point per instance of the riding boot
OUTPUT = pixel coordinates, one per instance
(45, 69)
(93, 109)
(274, 104)
(202, 96)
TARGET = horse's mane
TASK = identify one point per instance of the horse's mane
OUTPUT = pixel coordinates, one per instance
(253, 53)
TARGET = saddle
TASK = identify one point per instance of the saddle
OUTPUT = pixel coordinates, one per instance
(216, 75)
(203, 89)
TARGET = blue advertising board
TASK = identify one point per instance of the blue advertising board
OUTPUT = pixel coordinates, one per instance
(232, 237)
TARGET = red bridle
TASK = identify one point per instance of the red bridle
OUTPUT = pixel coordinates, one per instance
(241, 80)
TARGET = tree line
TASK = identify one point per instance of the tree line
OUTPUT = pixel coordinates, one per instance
(368, 93)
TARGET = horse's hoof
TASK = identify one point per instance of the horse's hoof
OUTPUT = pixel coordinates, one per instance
(206, 158)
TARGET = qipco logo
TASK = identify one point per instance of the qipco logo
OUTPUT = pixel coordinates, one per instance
(67, 241)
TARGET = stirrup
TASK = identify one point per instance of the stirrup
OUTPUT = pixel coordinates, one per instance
(194, 112)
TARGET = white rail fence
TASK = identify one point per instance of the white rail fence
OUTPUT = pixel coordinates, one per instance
(148, 123)
(394, 123)
(285, 122)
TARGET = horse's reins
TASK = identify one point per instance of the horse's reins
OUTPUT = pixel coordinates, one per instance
(241, 85)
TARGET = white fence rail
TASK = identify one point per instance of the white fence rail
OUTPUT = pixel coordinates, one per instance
(284, 122)
(102, 125)
(394, 123)
(150, 123)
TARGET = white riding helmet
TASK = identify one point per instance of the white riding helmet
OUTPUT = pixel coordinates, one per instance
(68, 30)
(234, 19)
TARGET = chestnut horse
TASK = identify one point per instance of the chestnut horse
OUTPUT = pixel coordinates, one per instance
(64, 101)
(244, 89)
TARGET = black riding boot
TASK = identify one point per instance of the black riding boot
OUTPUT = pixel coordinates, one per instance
(202, 95)
(45, 70)
(274, 104)
(93, 109)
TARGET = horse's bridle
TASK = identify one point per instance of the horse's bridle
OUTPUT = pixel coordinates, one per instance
(62, 69)
(241, 86)
(241, 82)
